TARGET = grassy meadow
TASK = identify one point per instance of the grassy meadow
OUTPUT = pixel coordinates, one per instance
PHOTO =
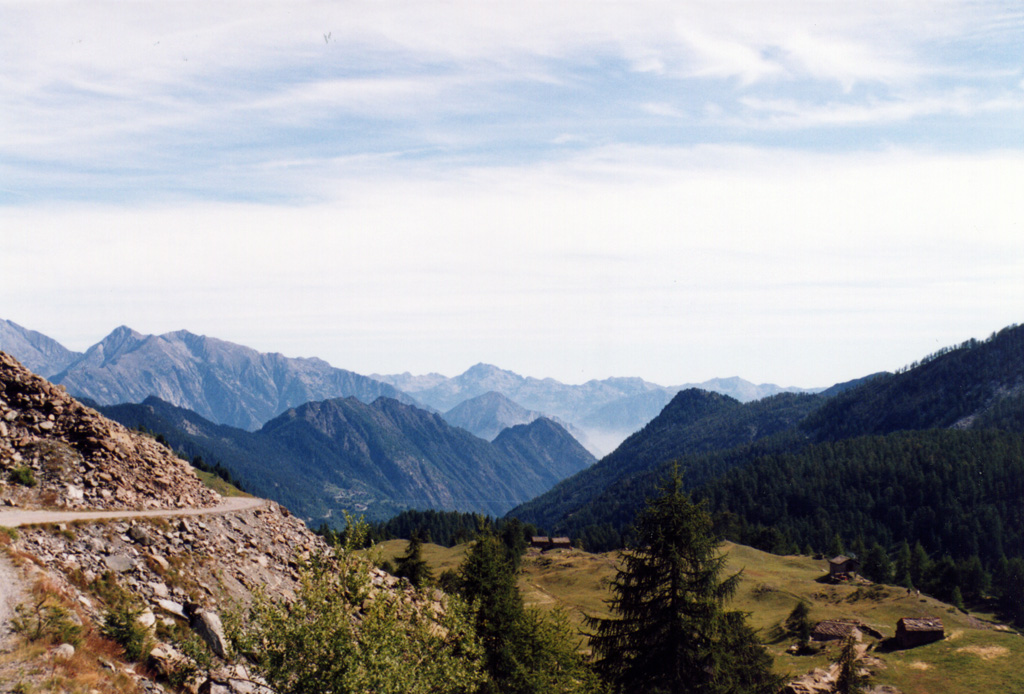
(974, 656)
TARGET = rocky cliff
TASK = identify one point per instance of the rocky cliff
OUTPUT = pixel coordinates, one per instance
(55, 452)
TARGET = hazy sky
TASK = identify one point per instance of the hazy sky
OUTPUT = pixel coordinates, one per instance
(793, 192)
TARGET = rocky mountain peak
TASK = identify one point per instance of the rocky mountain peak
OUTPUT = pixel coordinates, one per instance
(57, 452)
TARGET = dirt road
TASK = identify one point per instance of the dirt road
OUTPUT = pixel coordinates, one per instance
(12, 518)
(11, 584)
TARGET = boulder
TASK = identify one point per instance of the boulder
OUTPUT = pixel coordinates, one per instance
(64, 651)
(119, 563)
(207, 625)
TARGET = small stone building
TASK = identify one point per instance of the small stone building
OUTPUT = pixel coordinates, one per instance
(561, 543)
(832, 629)
(540, 541)
(842, 566)
(911, 631)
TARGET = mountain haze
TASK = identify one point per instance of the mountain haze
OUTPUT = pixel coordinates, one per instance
(488, 415)
(603, 412)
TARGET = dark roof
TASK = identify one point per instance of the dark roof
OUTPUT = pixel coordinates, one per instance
(921, 623)
(832, 629)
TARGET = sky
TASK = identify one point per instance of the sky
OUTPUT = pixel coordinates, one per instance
(793, 192)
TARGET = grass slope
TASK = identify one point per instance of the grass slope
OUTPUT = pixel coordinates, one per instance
(218, 484)
(973, 656)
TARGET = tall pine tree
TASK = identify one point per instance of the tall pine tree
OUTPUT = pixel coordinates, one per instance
(671, 633)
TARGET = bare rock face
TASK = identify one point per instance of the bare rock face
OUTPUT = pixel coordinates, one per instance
(55, 452)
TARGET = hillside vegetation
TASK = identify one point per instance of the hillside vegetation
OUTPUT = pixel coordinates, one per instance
(975, 656)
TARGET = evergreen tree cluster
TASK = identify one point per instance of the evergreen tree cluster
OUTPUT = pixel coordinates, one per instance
(671, 632)
(954, 492)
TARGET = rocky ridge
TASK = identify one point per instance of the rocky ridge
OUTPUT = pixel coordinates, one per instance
(185, 575)
(54, 452)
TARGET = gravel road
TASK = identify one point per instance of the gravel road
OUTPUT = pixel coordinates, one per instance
(12, 518)
(11, 583)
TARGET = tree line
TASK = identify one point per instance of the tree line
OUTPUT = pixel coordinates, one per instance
(670, 631)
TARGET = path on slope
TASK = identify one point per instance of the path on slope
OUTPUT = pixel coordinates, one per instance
(11, 585)
(17, 517)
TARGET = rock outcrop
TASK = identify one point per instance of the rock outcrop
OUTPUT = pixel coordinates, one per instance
(177, 576)
(55, 452)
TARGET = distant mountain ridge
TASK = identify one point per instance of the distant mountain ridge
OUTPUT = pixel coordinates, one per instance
(222, 381)
(377, 459)
(606, 411)
(236, 385)
(37, 352)
(489, 414)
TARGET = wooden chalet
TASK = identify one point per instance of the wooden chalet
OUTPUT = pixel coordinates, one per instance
(916, 631)
(543, 542)
(842, 567)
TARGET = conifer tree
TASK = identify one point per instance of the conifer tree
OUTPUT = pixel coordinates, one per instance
(798, 622)
(671, 633)
(835, 546)
(412, 566)
(525, 651)
(849, 680)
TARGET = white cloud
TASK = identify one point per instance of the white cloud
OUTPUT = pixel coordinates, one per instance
(673, 262)
(687, 264)
(790, 113)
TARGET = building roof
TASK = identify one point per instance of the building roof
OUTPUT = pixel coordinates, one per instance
(832, 629)
(841, 559)
(921, 624)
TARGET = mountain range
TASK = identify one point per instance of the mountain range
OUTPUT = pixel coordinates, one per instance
(232, 384)
(36, 352)
(219, 380)
(327, 457)
(602, 412)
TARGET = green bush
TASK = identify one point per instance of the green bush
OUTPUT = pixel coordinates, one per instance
(23, 476)
(121, 625)
(46, 619)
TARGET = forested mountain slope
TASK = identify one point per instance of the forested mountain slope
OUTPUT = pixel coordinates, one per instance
(953, 387)
(325, 457)
(694, 421)
(956, 492)
(976, 385)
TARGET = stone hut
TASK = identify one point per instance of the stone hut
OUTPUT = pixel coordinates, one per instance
(842, 566)
(912, 631)
(540, 541)
(561, 543)
(831, 629)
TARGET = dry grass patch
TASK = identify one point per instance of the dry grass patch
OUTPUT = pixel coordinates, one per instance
(986, 652)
